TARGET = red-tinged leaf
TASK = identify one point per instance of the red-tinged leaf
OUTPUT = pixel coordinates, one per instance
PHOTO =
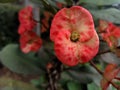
(109, 68)
(104, 84)
(111, 71)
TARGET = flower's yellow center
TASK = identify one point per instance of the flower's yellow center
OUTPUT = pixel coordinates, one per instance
(74, 36)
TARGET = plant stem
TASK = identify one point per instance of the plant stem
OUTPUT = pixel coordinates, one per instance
(118, 78)
(99, 32)
(107, 51)
(54, 70)
(98, 70)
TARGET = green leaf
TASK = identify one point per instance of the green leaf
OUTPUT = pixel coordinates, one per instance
(40, 82)
(100, 2)
(7, 1)
(82, 77)
(93, 86)
(69, 2)
(74, 86)
(52, 3)
(110, 14)
(7, 83)
(15, 60)
(48, 6)
(110, 58)
(62, 1)
(82, 74)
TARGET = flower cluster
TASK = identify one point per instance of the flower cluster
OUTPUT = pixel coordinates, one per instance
(29, 41)
(110, 34)
(72, 31)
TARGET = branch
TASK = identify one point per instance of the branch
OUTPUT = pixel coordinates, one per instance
(118, 78)
(99, 32)
(94, 66)
(107, 51)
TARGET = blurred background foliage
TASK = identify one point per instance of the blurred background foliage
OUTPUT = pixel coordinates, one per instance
(81, 77)
(8, 24)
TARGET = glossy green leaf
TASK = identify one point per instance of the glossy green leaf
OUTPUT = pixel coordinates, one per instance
(93, 86)
(48, 6)
(52, 3)
(83, 74)
(7, 83)
(110, 14)
(110, 58)
(82, 77)
(15, 60)
(74, 86)
(100, 2)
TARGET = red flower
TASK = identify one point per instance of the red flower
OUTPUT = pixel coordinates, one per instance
(22, 29)
(29, 41)
(75, 38)
(112, 32)
(26, 18)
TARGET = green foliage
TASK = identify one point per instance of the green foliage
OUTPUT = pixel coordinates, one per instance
(7, 1)
(35, 63)
(7, 83)
(41, 82)
(110, 58)
(8, 24)
(100, 2)
(15, 60)
(93, 86)
(74, 86)
(110, 14)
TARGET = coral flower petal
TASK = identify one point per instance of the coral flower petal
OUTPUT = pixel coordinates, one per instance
(72, 53)
(75, 18)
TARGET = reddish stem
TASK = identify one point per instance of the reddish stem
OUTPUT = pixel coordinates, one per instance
(99, 32)
(93, 65)
(118, 78)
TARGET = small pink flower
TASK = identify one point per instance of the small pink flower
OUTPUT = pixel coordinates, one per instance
(111, 34)
(26, 18)
(29, 41)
